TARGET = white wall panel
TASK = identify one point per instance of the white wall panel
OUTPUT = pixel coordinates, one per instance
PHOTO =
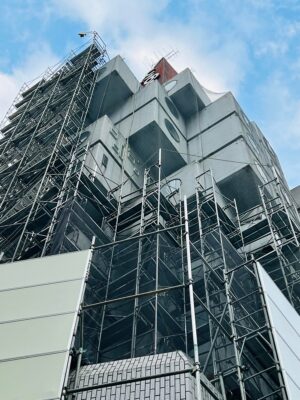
(39, 304)
(285, 323)
(34, 378)
(52, 269)
(37, 301)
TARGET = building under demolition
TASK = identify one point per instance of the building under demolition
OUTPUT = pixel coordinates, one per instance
(149, 241)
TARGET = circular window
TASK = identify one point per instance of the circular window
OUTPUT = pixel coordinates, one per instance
(171, 107)
(172, 130)
(170, 85)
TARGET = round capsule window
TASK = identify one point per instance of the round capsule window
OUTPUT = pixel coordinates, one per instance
(172, 130)
(170, 85)
(172, 108)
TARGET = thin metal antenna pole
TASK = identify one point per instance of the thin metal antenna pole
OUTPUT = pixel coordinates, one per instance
(192, 304)
(157, 253)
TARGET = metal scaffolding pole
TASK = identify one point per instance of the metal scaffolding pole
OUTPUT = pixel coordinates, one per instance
(205, 273)
(275, 239)
(228, 297)
(157, 255)
(119, 207)
(191, 299)
(68, 120)
(139, 263)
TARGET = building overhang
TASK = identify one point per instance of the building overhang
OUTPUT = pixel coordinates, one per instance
(187, 94)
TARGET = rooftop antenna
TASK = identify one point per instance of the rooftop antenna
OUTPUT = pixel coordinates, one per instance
(171, 54)
(167, 56)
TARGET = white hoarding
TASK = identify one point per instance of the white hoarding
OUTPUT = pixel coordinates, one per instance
(39, 304)
(285, 323)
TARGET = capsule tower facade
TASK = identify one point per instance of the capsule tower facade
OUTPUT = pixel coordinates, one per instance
(149, 226)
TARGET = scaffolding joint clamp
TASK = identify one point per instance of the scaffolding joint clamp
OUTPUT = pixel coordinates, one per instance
(195, 369)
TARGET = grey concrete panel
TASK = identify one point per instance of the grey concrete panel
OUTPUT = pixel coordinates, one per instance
(187, 87)
(118, 64)
(106, 139)
(211, 114)
(153, 91)
(216, 137)
(150, 124)
(115, 84)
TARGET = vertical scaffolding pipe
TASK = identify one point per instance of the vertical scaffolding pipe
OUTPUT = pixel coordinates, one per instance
(79, 353)
(183, 273)
(29, 144)
(227, 284)
(283, 200)
(58, 204)
(205, 273)
(119, 209)
(28, 105)
(238, 220)
(81, 319)
(157, 254)
(284, 197)
(192, 304)
(139, 264)
(54, 152)
(223, 391)
(277, 250)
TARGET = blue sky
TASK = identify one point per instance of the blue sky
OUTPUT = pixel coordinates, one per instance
(251, 47)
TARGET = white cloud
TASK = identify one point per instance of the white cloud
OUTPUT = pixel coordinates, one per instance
(281, 122)
(281, 111)
(9, 88)
(273, 48)
(139, 31)
(220, 47)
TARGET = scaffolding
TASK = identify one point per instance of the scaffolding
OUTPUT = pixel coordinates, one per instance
(167, 272)
(271, 232)
(43, 154)
(173, 279)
